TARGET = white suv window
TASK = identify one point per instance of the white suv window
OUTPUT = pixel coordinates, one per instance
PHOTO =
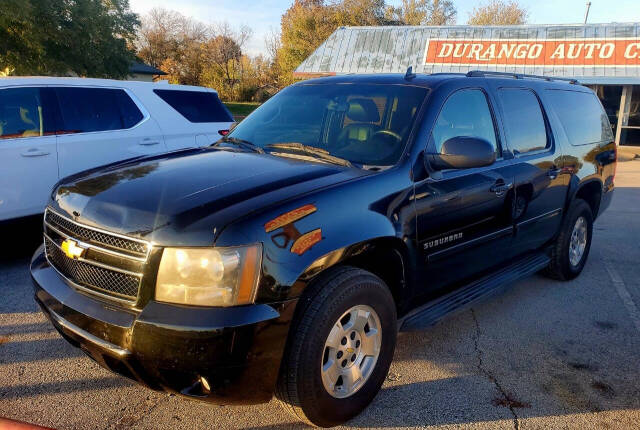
(22, 114)
(196, 106)
(96, 109)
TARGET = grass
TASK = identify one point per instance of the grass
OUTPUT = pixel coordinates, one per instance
(241, 108)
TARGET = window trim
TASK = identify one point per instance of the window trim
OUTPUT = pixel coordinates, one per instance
(145, 113)
(547, 125)
(499, 147)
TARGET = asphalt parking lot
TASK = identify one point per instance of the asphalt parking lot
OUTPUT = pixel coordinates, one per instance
(545, 354)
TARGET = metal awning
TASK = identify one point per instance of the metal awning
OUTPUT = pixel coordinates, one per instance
(593, 53)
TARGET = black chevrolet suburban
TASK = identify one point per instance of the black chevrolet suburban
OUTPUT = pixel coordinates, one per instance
(285, 258)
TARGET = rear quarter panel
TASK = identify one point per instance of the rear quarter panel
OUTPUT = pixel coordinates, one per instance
(179, 133)
(585, 163)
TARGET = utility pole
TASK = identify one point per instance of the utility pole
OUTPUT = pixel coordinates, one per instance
(586, 15)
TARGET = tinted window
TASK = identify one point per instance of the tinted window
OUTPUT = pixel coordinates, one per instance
(96, 109)
(196, 106)
(363, 123)
(23, 113)
(465, 113)
(582, 116)
(523, 120)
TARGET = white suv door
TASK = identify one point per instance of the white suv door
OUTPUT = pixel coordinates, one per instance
(28, 157)
(102, 126)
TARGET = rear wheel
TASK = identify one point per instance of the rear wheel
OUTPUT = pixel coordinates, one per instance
(340, 347)
(571, 249)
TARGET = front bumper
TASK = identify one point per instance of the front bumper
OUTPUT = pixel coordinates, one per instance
(222, 355)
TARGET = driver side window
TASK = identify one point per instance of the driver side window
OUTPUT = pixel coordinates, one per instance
(465, 113)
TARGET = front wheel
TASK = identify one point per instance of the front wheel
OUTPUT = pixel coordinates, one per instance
(571, 249)
(340, 347)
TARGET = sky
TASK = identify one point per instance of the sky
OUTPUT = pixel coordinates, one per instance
(263, 16)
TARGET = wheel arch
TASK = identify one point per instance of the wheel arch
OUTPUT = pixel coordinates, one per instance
(589, 190)
(386, 257)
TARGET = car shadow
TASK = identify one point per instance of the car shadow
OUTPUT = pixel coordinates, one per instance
(36, 350)
(71, 386)
(21, 237)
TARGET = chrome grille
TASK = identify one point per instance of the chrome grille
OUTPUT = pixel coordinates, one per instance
(111, 265)
(87, 234)
(93, 277)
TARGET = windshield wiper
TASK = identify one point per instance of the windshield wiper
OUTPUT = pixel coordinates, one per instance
(319, 153)
(245, 144)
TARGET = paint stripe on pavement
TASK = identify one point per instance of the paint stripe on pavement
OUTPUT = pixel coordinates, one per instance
(623, 292)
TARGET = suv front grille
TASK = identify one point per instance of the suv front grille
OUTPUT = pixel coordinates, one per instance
(110, 265)
(87, 234)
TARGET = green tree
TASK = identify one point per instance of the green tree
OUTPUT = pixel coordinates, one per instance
(85, 37)
(358, 12)
(308, 23)
(20, 46)
(499, 12)
(305, 25)
(423, 12)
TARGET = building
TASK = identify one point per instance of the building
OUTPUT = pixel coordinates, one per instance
(605, 57)
(143, 72)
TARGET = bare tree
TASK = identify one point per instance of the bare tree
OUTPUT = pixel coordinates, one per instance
(167, 34)
(499, 12)
(272, 43)
(224, 50)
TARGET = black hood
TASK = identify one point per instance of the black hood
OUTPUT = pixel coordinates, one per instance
(183, 198)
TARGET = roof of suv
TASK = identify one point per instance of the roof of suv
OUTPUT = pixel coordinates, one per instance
(430, 81)
(93, 82)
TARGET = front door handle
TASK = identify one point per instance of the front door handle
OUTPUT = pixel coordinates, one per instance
(34, 152)
(553, 172)
(500, 188)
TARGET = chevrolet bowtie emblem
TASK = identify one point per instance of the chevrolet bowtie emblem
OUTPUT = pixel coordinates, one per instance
(350, 350)
(71, 249)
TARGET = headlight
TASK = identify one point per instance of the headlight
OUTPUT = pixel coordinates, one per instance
(209, 276)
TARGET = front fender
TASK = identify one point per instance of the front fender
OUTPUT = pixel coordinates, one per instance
(310, 233)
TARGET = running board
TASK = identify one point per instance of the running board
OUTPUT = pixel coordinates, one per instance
(462, 298)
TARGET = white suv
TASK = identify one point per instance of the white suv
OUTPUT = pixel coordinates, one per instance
(54, 127)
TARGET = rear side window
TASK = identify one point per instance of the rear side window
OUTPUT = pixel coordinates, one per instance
(582, 116)
(523, 120)
(196, 106)
(23, 114)
(465, 113)
(96, 109)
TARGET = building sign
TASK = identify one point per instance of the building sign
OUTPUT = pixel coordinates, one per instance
(616, 52)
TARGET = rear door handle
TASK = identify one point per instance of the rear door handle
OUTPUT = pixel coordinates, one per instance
(148, 142)
(34, 152)
(500, 188)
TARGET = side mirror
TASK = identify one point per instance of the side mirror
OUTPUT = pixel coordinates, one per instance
(229, 130)
(462, 152)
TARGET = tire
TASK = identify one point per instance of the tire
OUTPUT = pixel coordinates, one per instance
(561, 266)
(300, 388)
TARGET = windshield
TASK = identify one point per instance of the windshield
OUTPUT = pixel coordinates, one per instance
(364, 124)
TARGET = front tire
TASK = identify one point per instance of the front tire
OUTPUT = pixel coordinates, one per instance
(571, 249)
(340, 347)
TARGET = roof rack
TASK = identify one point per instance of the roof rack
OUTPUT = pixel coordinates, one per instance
(483, 73)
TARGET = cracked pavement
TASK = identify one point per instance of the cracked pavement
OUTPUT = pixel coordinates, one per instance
(544, 354)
